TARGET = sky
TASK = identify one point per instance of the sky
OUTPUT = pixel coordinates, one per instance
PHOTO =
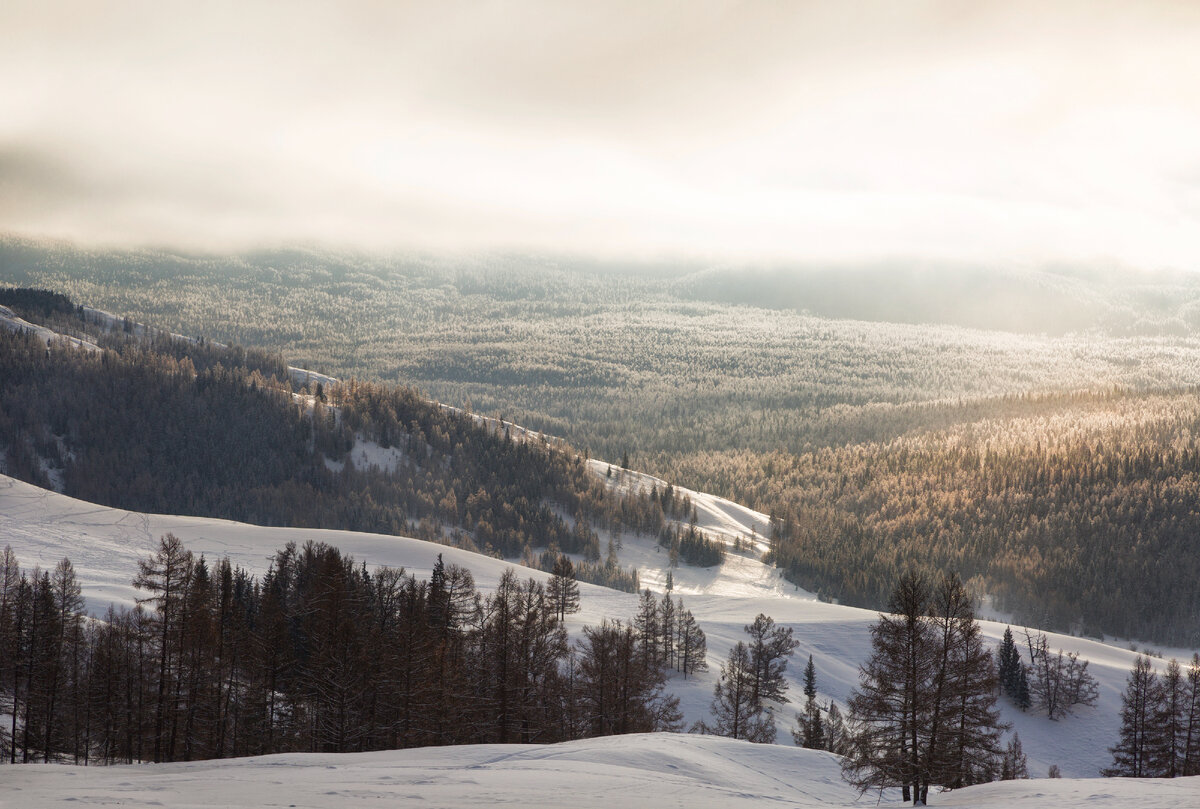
(1009, 133)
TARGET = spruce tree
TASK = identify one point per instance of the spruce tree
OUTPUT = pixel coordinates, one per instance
(1014, 681)
(813, 731)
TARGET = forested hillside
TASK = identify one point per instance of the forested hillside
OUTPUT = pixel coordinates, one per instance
(174, 426)
(1075, 512)
(1050, 470)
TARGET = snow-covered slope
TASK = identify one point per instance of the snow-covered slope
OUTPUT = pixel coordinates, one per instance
(742, 529)
(654, 771)
(105, 544)
(10, 321)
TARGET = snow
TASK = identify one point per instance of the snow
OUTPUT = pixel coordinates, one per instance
(9, 320)
(742, 574)
(301, 377)
(657, 771)
(368, 454)
(104, 545)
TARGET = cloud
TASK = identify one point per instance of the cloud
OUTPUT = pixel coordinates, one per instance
(1011, 132)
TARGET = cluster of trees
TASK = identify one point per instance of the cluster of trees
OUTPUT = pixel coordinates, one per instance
(691, 545)
(751, 686)
(814, 731)
(1055, 683)
(924, 713)
(1160, 722)
(669, 635)
(319, 654)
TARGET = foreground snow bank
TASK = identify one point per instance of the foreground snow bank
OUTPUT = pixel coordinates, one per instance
(656, 770)
(652, 770)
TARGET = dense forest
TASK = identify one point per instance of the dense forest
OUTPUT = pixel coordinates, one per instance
(1050, 471)
(319, 655)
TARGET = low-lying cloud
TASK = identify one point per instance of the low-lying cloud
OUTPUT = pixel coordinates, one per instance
(1000, 132)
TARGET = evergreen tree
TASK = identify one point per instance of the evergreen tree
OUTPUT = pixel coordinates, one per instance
(924, 710)
(736, 712)
(1132, 754)
(769, 649)
(1014, 681)
(1014, 765)
(563, 589)
(811, 729)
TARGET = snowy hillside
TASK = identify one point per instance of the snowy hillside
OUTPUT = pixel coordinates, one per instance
(658, 771)
(104, 545)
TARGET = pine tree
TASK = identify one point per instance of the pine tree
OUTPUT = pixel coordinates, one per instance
(1131, 756)
(1014, 681)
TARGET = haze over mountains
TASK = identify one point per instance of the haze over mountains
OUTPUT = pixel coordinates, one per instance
(724, 598)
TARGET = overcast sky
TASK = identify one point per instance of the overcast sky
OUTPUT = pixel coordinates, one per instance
(1007, 132)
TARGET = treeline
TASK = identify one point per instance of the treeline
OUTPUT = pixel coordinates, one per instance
(158, 424)
(318, 655)
(1160, 722)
